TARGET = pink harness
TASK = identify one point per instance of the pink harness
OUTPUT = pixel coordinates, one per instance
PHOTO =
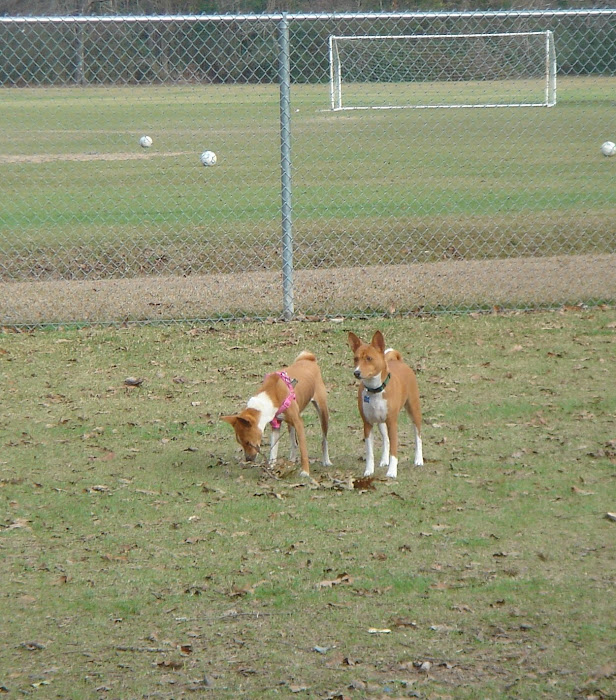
(275, 423)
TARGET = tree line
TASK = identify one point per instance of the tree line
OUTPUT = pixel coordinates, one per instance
(21, 8)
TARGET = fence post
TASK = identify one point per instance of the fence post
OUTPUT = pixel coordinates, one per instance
(284, 78)
(79, 54)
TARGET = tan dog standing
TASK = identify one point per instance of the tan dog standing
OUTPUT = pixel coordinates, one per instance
(283, 396)
(387, 386)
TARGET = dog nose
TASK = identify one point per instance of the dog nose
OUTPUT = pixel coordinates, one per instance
(357, 374)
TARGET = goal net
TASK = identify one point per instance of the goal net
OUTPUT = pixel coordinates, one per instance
(515, 69)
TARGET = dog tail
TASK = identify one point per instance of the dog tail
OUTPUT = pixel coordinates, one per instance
(305, 355)
(391, 354)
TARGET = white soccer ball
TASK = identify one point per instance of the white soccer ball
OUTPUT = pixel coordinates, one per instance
(145, 141)
(208, 158)
(608, 148)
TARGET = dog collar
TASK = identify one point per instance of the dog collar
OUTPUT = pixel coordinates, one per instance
(275, 422)
(378, 389)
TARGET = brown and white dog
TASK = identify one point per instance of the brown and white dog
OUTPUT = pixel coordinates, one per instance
(387, 386)
(283, 396)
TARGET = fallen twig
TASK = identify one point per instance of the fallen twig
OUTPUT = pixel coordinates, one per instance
(148, 650)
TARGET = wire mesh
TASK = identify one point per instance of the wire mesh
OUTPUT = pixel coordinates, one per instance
(392, 211)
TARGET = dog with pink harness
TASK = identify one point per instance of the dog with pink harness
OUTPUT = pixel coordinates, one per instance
(283, 396)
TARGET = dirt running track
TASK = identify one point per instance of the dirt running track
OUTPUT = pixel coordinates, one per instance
(458, 284)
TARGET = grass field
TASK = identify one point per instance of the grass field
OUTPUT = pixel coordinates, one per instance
(81, 199)
(142, 559)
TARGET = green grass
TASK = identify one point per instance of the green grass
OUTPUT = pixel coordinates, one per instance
(74, 177)
(141, 558)
(365, 95)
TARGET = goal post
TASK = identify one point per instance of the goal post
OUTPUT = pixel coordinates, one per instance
(422, 71)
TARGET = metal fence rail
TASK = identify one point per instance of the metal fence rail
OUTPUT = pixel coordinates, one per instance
(309, 211)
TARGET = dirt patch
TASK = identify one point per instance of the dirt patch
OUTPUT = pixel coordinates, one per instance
(450, 285)
(81, 157)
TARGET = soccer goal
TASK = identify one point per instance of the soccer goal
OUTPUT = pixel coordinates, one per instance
(422, 71)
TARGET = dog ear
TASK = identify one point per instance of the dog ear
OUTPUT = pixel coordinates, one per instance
(238, 419)
(378, 341)
(354, 341)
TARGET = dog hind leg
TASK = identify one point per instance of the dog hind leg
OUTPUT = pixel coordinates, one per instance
(414, 411)
(418, 449)
(323, 414)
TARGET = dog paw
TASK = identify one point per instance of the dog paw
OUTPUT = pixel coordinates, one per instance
(392, 471)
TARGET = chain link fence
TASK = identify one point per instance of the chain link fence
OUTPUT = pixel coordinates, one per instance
(442, 181)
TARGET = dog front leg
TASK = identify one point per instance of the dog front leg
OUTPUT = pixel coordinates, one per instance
(274, 440)
(293, 444)
(369, 471)
(385, 453)
(297, 425)
(392, 469)
(392, 465)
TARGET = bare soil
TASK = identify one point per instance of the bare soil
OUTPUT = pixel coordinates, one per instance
(447, 285)
(53, 157)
